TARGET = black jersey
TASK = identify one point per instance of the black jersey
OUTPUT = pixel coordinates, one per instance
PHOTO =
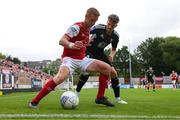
(150, 74)
(101, 40)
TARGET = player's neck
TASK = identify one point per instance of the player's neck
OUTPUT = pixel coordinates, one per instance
(85, 24)
(109, 32)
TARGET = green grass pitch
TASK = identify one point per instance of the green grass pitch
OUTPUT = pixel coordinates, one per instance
(162, 104)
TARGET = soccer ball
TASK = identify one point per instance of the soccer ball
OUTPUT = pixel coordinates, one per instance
(69, 100)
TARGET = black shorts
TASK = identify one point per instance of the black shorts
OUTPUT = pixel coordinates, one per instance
(101, 57)
(150, 80)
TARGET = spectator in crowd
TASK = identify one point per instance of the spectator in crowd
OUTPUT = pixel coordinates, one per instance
(16, 70)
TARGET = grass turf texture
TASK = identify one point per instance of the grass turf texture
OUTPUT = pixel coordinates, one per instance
(163, 102)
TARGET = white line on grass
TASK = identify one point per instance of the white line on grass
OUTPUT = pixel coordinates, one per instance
(86, 116)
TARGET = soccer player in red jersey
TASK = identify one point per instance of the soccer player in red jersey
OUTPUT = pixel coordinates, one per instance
(74, 42)
(173, 77)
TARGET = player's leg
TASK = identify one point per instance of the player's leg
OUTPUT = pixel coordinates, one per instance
(148, 84)
(82, 80)
(177, 83)
(102, 85)
(154, 85)
(115, 83)
(83, 77)
(103, 79)
(104, 69)
(174, 84)
(144, 82)
(116, 86)
(49, 86)
(62, 74)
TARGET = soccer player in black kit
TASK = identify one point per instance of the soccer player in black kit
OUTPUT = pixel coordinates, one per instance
(102, 36)
(149, 77)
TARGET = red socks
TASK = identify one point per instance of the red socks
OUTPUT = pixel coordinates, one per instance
(48, 87)
(102, 85)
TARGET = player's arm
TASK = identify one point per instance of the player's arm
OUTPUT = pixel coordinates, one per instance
(154, 76)
(90, 41)
(170, 77)
(73, 31)
(93, 32)
(112, 54)
(114, 46)
(145, 76)
(64, 41)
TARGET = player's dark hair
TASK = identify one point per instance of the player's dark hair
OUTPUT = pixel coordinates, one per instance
(114, 18)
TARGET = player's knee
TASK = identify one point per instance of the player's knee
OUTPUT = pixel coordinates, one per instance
(115, 82)
(84, 77)
(107, 69)
(113, 73)
(60, 77)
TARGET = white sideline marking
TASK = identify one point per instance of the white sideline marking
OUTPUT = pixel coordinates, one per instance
(85, 116)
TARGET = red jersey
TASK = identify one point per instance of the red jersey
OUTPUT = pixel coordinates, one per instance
(77, 32)
(173, 76)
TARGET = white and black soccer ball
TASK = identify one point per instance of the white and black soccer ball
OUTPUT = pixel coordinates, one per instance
(69, 100)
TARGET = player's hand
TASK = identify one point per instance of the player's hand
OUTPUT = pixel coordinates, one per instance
(90, 41)
(110, 59)
(78, 45)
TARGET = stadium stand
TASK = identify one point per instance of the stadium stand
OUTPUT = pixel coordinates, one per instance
(20, 77)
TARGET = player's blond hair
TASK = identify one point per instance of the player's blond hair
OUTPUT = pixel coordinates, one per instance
(93, 11)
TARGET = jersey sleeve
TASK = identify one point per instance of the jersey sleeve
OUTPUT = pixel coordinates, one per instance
(73, 31)
(95, 28)
(115, 40)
